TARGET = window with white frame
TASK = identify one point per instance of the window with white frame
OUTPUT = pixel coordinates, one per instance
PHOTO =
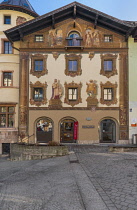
(108, 38)
(108, 94)
(72, 94)
(7, 79)
(7, 116)
(39, 38)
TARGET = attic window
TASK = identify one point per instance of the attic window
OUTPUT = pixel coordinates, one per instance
(39, 38)
(108, 38)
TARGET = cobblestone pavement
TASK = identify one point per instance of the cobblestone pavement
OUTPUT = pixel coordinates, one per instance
(94, 180)
(114, 175)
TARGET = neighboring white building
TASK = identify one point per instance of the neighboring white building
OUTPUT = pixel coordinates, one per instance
(12, 13)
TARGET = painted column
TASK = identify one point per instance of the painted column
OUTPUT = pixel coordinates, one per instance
(23, 100)
(123, 94)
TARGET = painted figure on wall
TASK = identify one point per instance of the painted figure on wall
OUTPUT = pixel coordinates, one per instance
(91, 88)
(56, 90)
(52, 37)
(96, 39)
(92, 37)
(20, 20)
(59, 37)
(88, 37)
(55, 37)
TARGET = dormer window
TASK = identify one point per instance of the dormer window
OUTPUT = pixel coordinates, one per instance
(74, 39)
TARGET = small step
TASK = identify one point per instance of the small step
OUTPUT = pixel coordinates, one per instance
(73, 158)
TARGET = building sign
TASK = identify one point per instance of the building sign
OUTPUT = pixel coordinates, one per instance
(88, 118)
(75, 130)
(88, 126)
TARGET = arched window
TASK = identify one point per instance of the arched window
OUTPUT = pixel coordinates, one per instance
(44, 130)
(74, 39)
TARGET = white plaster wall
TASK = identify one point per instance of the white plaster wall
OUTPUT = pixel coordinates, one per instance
(132, 56)
(14, 15)
(90, 70)
(10, 62)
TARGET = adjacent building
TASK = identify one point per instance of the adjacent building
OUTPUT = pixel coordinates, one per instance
(73, 77)
(12, 13)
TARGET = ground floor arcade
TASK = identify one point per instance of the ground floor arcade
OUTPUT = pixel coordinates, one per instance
(74, 126)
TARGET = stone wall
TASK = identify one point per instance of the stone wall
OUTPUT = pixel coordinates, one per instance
(33, 152)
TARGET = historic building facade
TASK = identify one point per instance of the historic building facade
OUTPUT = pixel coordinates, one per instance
(73, 77)
(12, 13)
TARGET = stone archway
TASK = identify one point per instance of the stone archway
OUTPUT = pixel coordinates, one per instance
(44, 130)
(108, 131)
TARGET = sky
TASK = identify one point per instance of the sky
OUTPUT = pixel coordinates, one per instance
(122, 9)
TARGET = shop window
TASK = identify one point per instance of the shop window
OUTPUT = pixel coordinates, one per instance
(38, 65)
(7, 19)
(38, 93)
(73, 93)
(7, 79)
(108, 93)
(7, 47)
(108, 38)
(7, 116)
(108, 65)
(73, 65)
(38, 38)
(74, 39)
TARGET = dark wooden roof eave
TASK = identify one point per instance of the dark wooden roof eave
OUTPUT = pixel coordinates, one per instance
(73, 10)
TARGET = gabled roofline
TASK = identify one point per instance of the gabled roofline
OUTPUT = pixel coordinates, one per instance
(72, 10)
(18, 8)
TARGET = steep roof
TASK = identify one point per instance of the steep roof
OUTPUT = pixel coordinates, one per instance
(18, 5)
(73, 10)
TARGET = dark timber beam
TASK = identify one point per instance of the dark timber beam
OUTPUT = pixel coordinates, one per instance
(96, 20)
(75, 12)
(53, 22)
(21, 34)
(8, 37)
(128, 33)
(90, 17)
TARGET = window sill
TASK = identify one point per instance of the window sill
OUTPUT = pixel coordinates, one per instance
(5, 87)
(74, 47)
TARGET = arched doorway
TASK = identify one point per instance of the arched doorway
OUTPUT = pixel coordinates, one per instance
(44, 130)
(108, 131)
(68, 130)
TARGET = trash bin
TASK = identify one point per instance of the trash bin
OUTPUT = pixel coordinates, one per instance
(134, 139)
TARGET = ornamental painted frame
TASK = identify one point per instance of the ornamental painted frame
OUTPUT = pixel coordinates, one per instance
(112, 57)
(38, 85)
(73, 85)
(108, 85)
(38, 57)
(73, 57)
